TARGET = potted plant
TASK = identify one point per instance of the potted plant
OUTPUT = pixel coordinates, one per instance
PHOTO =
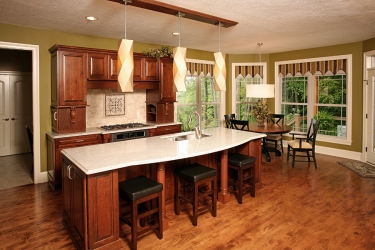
(260, 112)
(164, 51)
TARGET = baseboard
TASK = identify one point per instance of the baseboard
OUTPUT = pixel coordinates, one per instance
(43, 177)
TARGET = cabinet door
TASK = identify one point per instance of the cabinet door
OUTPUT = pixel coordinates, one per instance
(67, 192)
(97, 66)
(166, 80)
(112, 66)
(71, 83)
(164, 112)
(151, 69)
(138, 73)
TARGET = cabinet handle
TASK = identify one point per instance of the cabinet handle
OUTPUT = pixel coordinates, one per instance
(55, 116)
(167, 129)
(69, 167)
(13, 119)
(6, 119)
(80, 140)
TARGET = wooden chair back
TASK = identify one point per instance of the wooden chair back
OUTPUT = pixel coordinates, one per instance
(239, 124)
(228, 118)
(277, 118)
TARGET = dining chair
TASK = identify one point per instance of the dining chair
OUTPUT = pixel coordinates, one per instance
(304, 142)
(239, 124)
(276, 119)
(228, 118)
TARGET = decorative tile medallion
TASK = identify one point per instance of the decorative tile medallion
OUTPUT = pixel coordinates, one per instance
(115, 104)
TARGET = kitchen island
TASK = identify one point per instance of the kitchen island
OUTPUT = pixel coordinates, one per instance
(91, 175)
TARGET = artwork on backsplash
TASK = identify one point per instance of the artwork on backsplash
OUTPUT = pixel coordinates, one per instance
(114, 104)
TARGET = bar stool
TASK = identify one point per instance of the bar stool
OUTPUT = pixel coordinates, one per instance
(241, 163)
(194, 175)
(137, 191)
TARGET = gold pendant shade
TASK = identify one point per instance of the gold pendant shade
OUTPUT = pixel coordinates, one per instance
(125, 66)
(220, 71)
(179, 69)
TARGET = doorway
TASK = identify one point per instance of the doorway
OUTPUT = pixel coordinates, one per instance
(369, 131)
(37, 178)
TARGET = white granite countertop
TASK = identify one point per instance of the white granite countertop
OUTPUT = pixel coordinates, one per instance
(108, 156)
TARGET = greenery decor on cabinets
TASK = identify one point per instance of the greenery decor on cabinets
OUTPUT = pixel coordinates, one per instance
(260, 112)
(164, 51)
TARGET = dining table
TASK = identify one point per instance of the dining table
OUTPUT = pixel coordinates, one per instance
(269, 128)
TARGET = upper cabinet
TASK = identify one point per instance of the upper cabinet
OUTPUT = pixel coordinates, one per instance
(102, 66)
(68, 76)
(145, 68)
(166, 80)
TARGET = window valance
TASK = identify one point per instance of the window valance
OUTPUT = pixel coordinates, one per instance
(319, 68)
(247, 71)
(199, 68)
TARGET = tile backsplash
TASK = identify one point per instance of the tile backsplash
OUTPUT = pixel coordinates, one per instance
(135, 108)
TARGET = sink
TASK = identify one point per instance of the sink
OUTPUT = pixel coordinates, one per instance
(184, 137)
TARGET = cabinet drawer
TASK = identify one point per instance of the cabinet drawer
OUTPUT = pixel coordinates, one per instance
(77, 141)
(170, 129)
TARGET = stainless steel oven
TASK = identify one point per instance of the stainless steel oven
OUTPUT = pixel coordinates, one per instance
(129, 135)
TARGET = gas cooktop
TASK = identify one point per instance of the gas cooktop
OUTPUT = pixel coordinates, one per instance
(123, 126)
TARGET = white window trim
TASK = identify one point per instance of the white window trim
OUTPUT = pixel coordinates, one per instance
(264, 64)
(222, 94)
(349, 80)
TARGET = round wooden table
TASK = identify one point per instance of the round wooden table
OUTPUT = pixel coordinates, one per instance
(269, 128)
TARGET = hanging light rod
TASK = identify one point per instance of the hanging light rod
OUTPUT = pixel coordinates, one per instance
(173, 10)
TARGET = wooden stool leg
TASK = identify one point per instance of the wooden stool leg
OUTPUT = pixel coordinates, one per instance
(134, 212)
(240, 185)
(195, 204)
(160, 221)
(214, 197)
(176, 195)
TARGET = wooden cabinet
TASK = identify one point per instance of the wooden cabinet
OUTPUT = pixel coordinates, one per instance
(74, 204)
(160, 101)
(145, 68)
(68, 119)
(54, 147)
(102, 66)
(164, 130)
(68, 81)
(90, 207)
(166, 80)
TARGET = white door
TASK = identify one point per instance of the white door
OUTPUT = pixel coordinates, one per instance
(4, 116)
(370, 137)
(17, 105)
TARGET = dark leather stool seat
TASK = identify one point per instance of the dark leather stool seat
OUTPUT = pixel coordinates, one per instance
(195, 175)
(137, 191)
(242, 163)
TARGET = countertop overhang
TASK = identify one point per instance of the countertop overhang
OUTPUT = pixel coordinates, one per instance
(109, 156)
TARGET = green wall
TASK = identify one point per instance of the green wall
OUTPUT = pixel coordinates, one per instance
(47, 38)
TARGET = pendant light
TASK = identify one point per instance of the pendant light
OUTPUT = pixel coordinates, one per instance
(179, 63)
(219, 68)
(125, 62)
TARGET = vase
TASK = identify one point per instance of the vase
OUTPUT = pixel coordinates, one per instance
(260, 122)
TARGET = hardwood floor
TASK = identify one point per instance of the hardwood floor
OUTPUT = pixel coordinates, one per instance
(302, 208)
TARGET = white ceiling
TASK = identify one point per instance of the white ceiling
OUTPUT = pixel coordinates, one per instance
(282, 25)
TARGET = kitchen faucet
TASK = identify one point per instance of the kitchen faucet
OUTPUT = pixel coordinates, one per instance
(197, 129)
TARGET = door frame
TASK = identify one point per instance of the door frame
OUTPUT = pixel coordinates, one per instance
(38, 178)
(366, 64)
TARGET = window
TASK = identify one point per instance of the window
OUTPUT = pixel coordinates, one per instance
(317, 89)
(200, 96)
(244, 74)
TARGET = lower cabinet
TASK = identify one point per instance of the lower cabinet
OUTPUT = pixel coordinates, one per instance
(164, 130)
(90, 207)
(54, 147)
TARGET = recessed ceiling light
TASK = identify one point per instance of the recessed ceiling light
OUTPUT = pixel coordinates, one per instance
(91, 18)
(175, 33)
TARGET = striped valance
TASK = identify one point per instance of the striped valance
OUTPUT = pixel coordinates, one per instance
(199, 68)
(319, 68)
(247, 71)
